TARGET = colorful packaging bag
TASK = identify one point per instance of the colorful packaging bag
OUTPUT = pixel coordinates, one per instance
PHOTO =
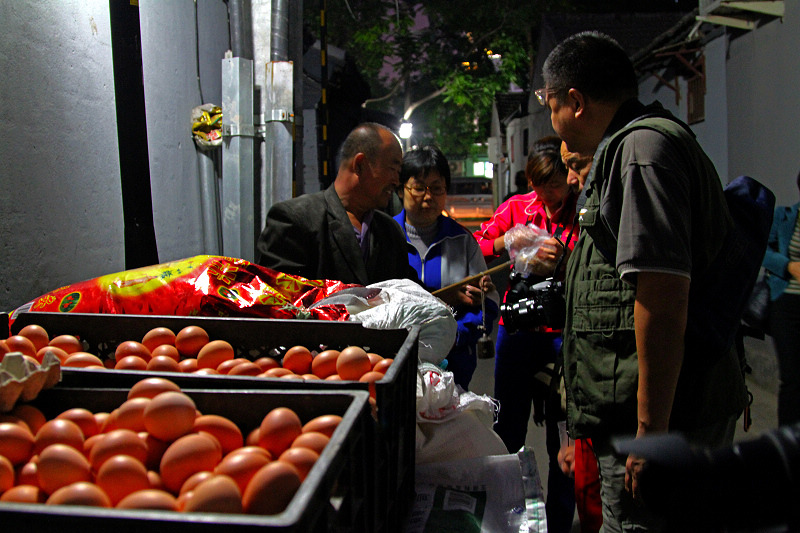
(204, 285)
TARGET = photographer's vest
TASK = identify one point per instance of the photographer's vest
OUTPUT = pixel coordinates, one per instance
(600, 361)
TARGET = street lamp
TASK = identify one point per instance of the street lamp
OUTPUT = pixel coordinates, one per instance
(405, 132)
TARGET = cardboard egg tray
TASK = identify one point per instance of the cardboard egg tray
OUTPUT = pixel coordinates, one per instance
(395, 394)
(335, 496)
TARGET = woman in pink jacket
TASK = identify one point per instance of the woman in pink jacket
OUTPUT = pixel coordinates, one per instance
(524, 351)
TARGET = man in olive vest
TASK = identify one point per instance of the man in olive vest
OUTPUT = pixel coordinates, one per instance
(652, 217)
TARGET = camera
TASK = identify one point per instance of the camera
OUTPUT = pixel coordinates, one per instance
(751, 486)
(530, 304)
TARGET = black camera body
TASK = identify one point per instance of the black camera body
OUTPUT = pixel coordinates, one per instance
(531, 303)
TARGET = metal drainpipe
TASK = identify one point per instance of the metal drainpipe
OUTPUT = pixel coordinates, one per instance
(241, 27)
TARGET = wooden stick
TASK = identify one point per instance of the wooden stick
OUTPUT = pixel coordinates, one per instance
(471, 279)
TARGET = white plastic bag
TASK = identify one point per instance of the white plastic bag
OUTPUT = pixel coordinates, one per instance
(398, 304)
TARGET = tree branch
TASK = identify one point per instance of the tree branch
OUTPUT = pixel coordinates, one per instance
(411, 108)
(388, 95)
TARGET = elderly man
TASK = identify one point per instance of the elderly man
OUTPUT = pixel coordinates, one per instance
(340, 233)
(652, 217)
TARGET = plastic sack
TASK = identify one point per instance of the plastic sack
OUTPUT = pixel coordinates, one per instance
(491, 494)
(398, 304)
(205, 285)
(452, 423)
(523, 242)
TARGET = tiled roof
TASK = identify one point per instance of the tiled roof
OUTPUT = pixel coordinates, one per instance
(510, 105)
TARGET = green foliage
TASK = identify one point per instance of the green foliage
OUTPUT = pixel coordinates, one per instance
(456, 53)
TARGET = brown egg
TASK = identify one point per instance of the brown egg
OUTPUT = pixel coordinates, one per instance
(188, 365)
(58, 431)
(265, 363)
(166, 350)
(190, 339)
(374, 358)
(169, 415)
(31, 415)
(151, 387)
(313, 440)
(60, 354)
(325, 424)
(130, 415)
(242, 464)
(271, 489)
(352, 363)
(302, 459)
(155, 480)
(23, 494)
(195, 479)
(116, 442)
(187, 455)
(298, 360)
(225, 366)
(383, 365)
(16, 443)
(226, 432)
(84, 419)
(206, 372)
(311, 377)
(68, 343)
(156, 337)
(60, 465)
(83, 360)
(131, 362)
(214, 353)
(6, 474)
(153, 499)
(80, 493)
(333, 377)
(276, 372)
(252, 438)
(245, 369)
(120, 476)
(18, 343)
(36, 334)
(278, 429)
(3, 349)
(163, 363)
(371, 377)
(90, 442)
(219, 494)
(132, 348)
(324, 363)
(28, 474)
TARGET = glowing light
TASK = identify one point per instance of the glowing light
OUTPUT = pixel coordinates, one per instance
(405, 130)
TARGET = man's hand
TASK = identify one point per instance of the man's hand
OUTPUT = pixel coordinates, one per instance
(566, 460)
(633, 467)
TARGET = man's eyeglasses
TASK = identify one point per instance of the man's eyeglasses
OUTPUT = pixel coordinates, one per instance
(541, 95)
(419, 190)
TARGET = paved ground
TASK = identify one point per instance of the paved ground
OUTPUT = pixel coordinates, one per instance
(762, 383)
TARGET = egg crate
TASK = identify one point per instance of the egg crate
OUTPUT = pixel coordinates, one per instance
(337, 495)
(395, 394)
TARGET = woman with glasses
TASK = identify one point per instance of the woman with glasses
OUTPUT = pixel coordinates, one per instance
(523, 353)
(445, 253)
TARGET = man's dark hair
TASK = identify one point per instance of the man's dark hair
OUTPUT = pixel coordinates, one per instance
(593, 63)
(365, 138)
(419, 162)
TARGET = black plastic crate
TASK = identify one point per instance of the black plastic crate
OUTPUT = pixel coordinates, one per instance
(335, 496)
(395, 394)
